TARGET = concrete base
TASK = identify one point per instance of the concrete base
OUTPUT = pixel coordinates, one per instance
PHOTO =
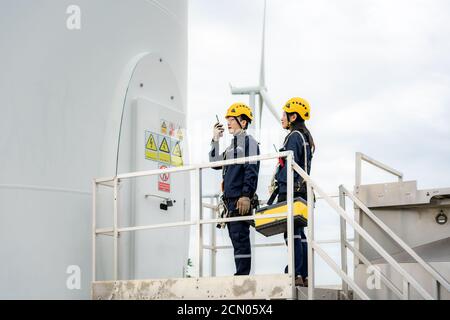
(235, 287)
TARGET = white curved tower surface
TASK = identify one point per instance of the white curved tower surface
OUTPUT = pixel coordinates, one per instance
(67, 94)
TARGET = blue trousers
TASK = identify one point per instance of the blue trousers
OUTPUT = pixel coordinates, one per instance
(300, 252)
(300, 244)
(239, 232)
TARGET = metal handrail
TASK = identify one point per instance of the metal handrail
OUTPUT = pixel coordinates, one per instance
(214, 208)
(360, 157)
(313, 245)
(115, 230)
(367, 263)
(363, 233)
(207, 165)
(436, 276)
(363, 157)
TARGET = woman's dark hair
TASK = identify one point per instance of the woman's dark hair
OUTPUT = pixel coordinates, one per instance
(299, 125)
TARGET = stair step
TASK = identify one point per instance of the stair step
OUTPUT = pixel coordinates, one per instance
(324, 293)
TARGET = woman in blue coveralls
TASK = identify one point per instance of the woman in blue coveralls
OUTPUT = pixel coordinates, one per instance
(300, 141)
(239, 181)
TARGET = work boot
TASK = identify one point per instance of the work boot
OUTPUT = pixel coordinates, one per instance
(305, 281)
(299, 282)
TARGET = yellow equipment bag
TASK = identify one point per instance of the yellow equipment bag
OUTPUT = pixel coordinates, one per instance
(273, 226)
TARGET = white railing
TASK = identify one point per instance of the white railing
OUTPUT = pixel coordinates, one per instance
(360, 157)
(313, 245)
(362, 208)
(197, 169)
(408, 280)
(214, 248)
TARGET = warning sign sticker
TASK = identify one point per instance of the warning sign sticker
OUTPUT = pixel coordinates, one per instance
(180, 134)
(177, 153)
(171, 129)
(164, 149)
(163, 126)
(151, 148)
(164, 179)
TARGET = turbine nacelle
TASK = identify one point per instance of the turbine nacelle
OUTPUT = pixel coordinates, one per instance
(246, 90)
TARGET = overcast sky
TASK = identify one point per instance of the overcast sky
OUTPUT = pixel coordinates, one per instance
(376, 73)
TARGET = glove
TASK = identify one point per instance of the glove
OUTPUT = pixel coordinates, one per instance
(243, 205)
(218, 131)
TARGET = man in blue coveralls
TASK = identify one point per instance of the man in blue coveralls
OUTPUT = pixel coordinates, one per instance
(239, 181)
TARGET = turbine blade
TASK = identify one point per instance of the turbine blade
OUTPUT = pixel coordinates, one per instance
(269, 104)
(262, 75)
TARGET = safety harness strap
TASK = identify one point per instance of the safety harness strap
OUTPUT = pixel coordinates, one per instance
(277, 189)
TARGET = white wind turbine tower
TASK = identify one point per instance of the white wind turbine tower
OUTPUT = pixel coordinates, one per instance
(260, 90)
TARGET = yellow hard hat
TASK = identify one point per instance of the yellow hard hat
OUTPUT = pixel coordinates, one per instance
(239, 109)
(300, 106)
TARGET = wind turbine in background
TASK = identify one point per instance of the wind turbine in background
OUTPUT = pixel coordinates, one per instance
(261, 89)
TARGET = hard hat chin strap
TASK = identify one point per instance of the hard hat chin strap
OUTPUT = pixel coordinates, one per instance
(239, 122)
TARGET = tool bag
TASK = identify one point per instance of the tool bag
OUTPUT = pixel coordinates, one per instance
(272, 226)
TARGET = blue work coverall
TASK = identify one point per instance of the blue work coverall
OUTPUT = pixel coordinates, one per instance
(296, 142)
(240, 180)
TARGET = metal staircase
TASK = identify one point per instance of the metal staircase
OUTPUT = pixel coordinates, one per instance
(277, 286)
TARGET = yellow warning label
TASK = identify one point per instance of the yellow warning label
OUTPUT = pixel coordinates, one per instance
(151, 149)
(164, 150)
(151, 144)
(180, 134)
(164, 147)
(177, 154)
(151, 155)
(177, 150)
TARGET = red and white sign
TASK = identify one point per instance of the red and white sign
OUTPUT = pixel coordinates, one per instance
(164, 180)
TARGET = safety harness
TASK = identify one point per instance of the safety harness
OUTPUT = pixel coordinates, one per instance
(281, 164)
(223, 205)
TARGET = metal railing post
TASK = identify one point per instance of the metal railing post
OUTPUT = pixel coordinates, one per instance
(290, 223)
(358, 169)
(94, 227)
(311, 275)
(115, 231)
(406, 289)
(213, 243)
(437, 290)
(358, 163)
(343, 231)
(199, 207)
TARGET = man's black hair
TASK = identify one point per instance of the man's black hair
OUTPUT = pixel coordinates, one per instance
(244, 117)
